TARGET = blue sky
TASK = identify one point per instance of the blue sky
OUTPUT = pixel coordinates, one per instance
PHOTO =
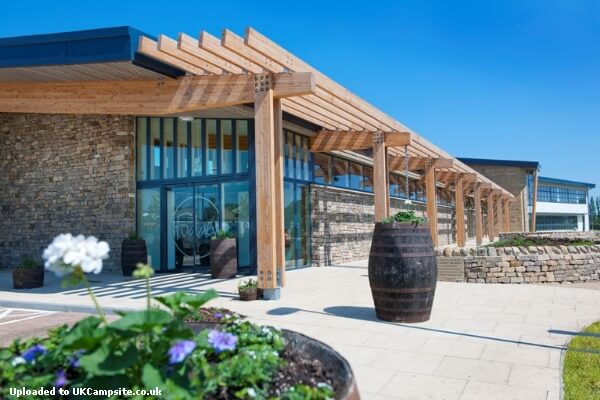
(491, 79)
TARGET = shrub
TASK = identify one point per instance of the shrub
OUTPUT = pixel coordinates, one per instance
(28, 262)
(407, 217)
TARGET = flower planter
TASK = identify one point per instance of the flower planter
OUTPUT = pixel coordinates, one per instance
(223, 258)
(132, 253)
(333, 363)
(402, 272)
(28, 278)
(248, 294)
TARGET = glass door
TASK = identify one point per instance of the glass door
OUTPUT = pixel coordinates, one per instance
(297, 224)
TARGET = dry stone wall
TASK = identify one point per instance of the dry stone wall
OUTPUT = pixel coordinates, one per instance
(533, 264)
(64, 173)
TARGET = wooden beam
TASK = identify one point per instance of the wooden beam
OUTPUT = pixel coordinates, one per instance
(331, 140)
(169, 46)
(397, 163)
(279, 188)
(478, 214)
(147, 97)
(264, 138)
(500, 218)
(380, 177)
(190, 45)
(507, 226)
(431, 197)
(532, 227)
(490, 212)
(460, 211)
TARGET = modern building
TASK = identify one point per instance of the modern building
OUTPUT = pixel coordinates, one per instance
(556, 205)
(112, 130)
(561, 205)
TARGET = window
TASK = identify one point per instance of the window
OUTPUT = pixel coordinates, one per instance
(211, 147)
(356, 175)
(155, 149)
(142, 149)
(226, 147)
(197, 145)
(340, 173)
(322, 168)
(555, 194)
(367, 183)
(556, 222)
(168, 149)
(182, 148)
(241, 131)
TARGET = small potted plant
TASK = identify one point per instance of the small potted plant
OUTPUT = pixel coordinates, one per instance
(28, 275)
(248, 290)
(223, 256)
(133, 252)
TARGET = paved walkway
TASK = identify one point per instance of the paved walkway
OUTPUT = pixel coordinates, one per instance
(482, 342)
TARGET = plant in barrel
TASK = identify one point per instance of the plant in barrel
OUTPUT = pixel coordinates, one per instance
(402, 268)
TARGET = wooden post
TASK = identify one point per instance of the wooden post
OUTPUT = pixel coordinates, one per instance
(490, 207)
(279, 201)
(500, 215)
(431, 197)
(264, 139)
(459, 205)
(478, 215)
(380, 186)
(507, 215)
(534, 202)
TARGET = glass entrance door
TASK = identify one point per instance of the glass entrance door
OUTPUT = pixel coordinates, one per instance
(297, 224)
(192, 220)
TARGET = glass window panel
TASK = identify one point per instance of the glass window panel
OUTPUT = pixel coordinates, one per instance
(367, 183)
(299, 156)
(168, 149)
(226, 146)
(241, 131)
(211, 146)
(148, 223)
(340, 172)
(306, 163)
(290, 154)
(322, 168)
(155, 148)
(236, 217)
(197, 158)
(182, 148)
(356, 175)
(142, 149)
(289, 224)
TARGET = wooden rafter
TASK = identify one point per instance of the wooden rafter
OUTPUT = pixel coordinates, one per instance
(398, 163)
(331, 140)
(161, 97)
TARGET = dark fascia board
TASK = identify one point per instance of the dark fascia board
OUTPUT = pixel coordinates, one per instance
(545, 179)
(508, 163)
(79, 47)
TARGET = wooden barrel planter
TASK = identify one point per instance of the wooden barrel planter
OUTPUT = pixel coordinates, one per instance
(28, 278)
(345, 387)
(402, 272)
(132, 253)
(223, 258)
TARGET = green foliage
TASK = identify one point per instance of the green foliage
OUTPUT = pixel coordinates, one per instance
(248, 284)
(581, 372)
(133, 236)
(523, 241)
(28, 262)
(133, 352)
(223, 234)
(405, 217)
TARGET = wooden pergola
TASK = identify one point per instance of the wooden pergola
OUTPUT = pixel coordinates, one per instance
(236, 70)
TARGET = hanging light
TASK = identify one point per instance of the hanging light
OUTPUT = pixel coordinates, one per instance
(186, 118)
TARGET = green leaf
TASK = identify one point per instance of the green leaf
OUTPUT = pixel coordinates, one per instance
(141, 321)
(181, 303)
(106, 382)
(108, 362)
(86, 334)
(151, 377)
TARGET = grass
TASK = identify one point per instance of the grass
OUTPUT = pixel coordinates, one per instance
(581, 374)
(521, 241)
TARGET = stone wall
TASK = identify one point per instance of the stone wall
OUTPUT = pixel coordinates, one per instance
(513, 179)
(534, 264)
(342, 224)
(64, 173)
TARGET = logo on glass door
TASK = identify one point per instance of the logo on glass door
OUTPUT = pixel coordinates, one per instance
(194, 225)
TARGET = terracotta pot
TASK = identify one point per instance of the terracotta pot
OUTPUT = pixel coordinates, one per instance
(345, 387)
(28, 278)
(248, 294)
(223, 258)
(132, 253)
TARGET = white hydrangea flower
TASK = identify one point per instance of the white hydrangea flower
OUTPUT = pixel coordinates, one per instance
(251, 392)
(66, 252)
(17, 361)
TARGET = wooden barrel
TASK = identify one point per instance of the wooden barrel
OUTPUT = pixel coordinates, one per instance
(132, 253)
(223, 258)
(28, 278)
(402, 272)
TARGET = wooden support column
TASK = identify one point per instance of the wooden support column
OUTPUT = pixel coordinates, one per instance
(380, 184)
(507, 215)
(534, 202)
(459, 204)
(478, 215)
(431, 196)
(279, 201)
(500, 214)
(264, 138)
(490, 209)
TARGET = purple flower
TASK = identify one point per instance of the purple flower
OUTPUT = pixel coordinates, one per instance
(221, 341)
(180, 350)
(31, 353)
(61, 379)
(74, 359)
(218, 315)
